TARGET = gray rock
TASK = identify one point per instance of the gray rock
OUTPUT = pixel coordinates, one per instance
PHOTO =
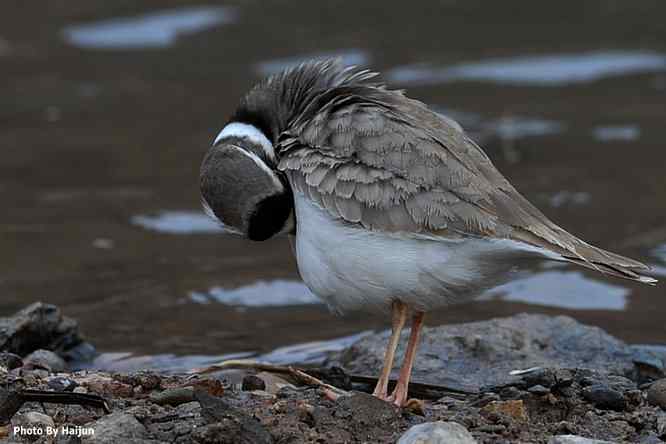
(656, 394)
(62, 384)
(10, 361)
(661, 425)
(46, 360)
(574, 439)
(539, 390)
(650, 360)
(482, 354)
(39, 326)
(115, 428)
(32, 426)
(604, 397)
(437, 433)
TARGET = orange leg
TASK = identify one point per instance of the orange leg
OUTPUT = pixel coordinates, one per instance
(399, 317)
(399, 395)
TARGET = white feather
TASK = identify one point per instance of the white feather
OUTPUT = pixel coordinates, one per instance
(250, 132)
(351, 268)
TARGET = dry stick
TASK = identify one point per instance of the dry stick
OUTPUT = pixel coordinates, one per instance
(421, 389)
(299, 375)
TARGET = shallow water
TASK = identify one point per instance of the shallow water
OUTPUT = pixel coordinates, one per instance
(539, 70)
(108, 108)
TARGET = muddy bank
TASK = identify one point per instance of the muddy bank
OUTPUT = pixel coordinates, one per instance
(518, 379)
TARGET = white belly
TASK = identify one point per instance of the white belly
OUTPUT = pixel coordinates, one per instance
(352, 268)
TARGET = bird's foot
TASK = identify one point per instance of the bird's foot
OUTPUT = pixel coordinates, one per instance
(381, 394)
(399, 395)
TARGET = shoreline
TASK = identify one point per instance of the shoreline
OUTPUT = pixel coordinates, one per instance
(527, 378)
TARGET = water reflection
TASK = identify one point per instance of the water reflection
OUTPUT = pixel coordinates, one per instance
(147, 31)
(542, 70)
(313, 353)
(626, 133)
(259, 294)
(178, 222)
(555, 288)
(565, 289)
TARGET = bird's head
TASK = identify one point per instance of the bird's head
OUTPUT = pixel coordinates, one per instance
(241, 186)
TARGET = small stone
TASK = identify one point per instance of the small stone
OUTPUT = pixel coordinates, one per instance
(173, 396)
(538, 390)
(62, 384)
(105, 385)
(115, 428)
(661, 425)
(212, 386)
(253, 382)
(543, 376)
(31, 421)
(514, 409)
(45, 360)
(306, 413)
(563, 378)
(10, 361)
(650, 438)
(574, 439)
(604, 397)
(272, 382)
(656, 394)
(439, 432)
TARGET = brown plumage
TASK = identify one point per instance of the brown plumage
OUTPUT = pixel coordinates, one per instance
(374, 157)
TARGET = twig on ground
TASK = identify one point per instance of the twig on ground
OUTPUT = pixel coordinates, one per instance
(299, 375)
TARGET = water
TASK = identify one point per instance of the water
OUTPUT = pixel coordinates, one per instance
(541, 70)
(158, 29)
(178, 222)
(109, 108)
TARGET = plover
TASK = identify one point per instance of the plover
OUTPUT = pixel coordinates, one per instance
(391, 206)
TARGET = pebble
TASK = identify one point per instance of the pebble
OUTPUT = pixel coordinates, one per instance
(45, 360)
(173, 396)
(30, 420)
(253, 382)
(62, 384)
(574, 439)
(656, 394)
(10, 361)
(117, 428)
(515, 409)
(604, 397)
(661, 425)
(539, 390)
(437, 433)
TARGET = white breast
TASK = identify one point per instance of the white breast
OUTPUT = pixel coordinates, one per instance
(353, 268)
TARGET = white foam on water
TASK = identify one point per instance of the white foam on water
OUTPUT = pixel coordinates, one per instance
(626, 133)
(543, 70)
(355, 57)
(275, 293)
(152, 30)
(564, 289)
(178, 222)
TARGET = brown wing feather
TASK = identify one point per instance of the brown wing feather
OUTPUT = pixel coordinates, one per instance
(375, 157)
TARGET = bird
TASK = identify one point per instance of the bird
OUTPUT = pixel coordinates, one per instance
(391, 207)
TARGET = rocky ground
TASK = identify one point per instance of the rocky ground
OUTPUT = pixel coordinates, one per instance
(527, 378)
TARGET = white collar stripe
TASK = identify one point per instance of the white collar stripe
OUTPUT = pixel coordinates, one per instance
(250, 132)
